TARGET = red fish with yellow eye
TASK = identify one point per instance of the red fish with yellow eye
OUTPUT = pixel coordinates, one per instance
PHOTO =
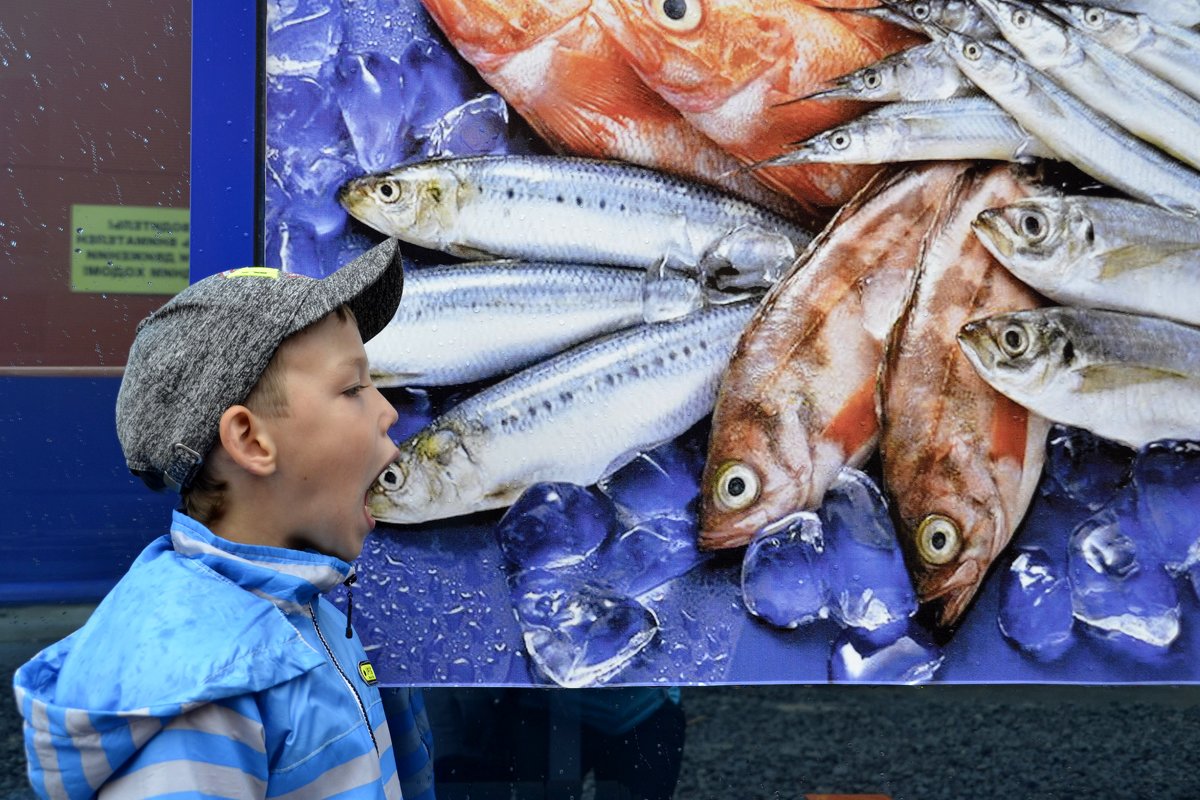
(736, 71)
(565, 76)
(960, 460)
(798, 401)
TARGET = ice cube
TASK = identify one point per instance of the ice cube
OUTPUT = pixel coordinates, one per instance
(436, 82)
(1166, 476)
(311, 180)
(1084, 467)
(664, 481)
(554, 525)
(298, 251)
(783, 572)
(370, 91)
(1035, 604)
(1117, 586)
(477, 127)
(651, 553)
(868, 582)
(863, 657)
(415, 409)
(302, 35)
(579, 633)
(302, 113)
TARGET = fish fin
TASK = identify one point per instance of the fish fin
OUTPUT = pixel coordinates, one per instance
(1107, 377)
(390, 380)
(1026, 151)
(1010, 430)
(471, 253)
(855, 427)
(599, 90)
(1130, 257)
(660, 303)
(626, 457)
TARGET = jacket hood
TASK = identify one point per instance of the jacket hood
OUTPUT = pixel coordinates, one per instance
(157, 630)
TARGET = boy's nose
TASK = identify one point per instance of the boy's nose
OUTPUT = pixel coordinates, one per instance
(389, 413)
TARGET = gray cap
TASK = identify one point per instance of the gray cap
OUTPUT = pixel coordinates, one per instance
(206, 348)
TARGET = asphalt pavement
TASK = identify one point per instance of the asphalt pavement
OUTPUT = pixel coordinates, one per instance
(908, 743)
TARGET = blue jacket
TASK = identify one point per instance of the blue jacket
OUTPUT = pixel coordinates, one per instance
(217, 669)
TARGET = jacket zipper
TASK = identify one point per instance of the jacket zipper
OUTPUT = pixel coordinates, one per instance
(362, 708)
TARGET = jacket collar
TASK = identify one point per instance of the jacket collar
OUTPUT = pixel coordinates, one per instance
(291, 579)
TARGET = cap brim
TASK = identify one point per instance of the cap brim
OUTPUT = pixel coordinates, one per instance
(371, 285)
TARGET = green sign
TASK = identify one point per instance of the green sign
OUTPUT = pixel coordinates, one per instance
(129, 249)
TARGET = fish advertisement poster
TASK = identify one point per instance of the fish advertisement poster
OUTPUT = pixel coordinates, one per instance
(785, 342)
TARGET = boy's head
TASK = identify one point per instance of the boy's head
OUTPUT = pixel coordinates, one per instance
(261, 355)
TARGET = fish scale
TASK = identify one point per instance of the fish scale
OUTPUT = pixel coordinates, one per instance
(463, 323)
(1125, 377)
(545, 208)
(1074, 131)
(572, 418)
(1142, 103)
(958, 128)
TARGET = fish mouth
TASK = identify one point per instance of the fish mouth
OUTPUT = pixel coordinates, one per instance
(723, 539)
(990, 228)
(946, 606)
(975, 340)
(346, 191)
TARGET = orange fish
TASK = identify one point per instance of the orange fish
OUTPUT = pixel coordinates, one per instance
(552, 62)
(736, 71)
(960, 460)
(798, 402)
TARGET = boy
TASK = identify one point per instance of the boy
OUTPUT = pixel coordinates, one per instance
(215, 667)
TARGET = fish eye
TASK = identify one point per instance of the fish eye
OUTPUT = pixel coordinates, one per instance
(1094, 17)
(737, 486)
(840, 140)
(871, 79)
(920, 11)
(388, 191)
(972, 51)
(391, 478)
(680, 16)
(1021, 18)
(938, 539)
(1014, 340)
(1033, 225)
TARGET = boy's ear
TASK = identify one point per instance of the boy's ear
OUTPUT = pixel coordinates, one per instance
(247, 441)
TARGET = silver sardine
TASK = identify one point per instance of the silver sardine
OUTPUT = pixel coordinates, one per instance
(573, 418)
(1171, 52)
(929, 16)
(924, 72)
(1074, 131)
(1124, 377)
(577, 210)
(1142, 103)
(959, 128)
(467, 322)
(1176, 12)
(1100, 251)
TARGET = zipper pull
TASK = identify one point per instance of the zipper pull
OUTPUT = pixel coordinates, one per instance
(349, 584)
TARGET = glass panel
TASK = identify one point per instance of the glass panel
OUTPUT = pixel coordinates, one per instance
(95, 149)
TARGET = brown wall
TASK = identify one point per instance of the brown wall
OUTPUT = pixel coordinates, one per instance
(94, 108)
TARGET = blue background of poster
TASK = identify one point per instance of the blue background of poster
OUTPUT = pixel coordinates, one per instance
(433, 601)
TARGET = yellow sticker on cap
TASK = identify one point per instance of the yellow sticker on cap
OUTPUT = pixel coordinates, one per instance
(252, 272)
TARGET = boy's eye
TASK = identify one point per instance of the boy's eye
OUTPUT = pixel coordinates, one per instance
(354, 390)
